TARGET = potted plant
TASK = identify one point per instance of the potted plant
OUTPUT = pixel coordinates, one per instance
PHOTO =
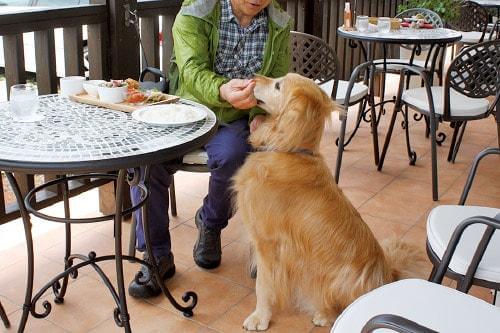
(448, 10)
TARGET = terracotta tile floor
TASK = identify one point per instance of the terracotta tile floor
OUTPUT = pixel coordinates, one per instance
(394, 203)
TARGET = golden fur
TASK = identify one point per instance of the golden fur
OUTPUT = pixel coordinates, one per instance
(311, 246)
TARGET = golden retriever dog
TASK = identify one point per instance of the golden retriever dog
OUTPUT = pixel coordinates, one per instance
(311, 246)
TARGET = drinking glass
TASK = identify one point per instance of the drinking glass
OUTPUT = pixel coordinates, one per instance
(384, 24)
(362, 23)
(24, 103)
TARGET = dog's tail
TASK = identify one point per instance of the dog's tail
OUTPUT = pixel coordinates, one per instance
(405, 260)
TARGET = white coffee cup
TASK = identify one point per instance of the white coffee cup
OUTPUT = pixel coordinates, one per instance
(71, 85)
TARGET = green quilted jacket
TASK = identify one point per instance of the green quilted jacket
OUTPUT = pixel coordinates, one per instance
(196, 38)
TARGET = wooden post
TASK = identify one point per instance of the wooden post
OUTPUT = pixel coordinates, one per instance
(124, 42)
(13, 50)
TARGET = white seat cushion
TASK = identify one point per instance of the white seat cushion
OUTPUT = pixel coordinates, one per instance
(460, 105)
(198, 156)
(437, 307)
(441, 223)
(358, 91)
(471, 37)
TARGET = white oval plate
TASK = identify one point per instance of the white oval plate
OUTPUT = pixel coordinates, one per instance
(169, 114)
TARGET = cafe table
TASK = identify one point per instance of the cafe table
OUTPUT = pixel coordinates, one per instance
(77, 141)
(438, 37)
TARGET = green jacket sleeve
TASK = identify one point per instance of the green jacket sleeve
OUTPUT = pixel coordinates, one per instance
(191, 45)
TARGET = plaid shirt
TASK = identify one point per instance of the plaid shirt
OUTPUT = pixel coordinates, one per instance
(241, 50)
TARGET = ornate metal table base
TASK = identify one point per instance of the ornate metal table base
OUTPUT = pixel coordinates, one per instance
(59, 283)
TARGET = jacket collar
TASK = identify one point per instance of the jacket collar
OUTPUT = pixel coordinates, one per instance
(203, 8)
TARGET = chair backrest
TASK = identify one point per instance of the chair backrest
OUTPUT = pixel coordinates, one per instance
(473, 17)
(429, 16)
(313, 58)
(475, 72)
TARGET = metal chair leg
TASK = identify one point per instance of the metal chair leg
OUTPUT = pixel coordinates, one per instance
(132, 240)
(456, 147)
(173, 202)
(453, 139)
(432, 123)
(388, 138)
(3, 315)
(341, 146)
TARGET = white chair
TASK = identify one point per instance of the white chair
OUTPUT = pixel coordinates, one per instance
(464, 237)
(418, 306)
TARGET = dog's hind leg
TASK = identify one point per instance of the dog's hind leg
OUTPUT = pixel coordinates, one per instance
(260, 318)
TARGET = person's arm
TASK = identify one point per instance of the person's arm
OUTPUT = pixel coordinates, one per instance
(191, 45)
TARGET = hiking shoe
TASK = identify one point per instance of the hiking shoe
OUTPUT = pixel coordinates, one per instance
(207, 250)
(151, 289)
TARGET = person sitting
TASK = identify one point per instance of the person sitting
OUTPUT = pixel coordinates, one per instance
(219, 46)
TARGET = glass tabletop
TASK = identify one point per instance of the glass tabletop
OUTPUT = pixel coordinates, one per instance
(77, 134)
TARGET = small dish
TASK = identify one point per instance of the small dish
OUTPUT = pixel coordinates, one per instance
(112, 94)
(169, 114)
(91, 87)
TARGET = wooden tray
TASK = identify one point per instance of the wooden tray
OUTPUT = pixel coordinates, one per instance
(124, 106)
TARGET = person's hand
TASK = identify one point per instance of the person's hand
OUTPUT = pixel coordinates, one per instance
(239, 93)
(256, 122)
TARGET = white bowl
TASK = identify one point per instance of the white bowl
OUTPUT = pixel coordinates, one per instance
(112, 95)
(91, 87)
(71, 85)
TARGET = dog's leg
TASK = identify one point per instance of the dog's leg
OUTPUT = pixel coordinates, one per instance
(259, 319)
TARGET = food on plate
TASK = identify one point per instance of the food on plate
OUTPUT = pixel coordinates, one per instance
(132, 84)
(114, 84)
(156, 96)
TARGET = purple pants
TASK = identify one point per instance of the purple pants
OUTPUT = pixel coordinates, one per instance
(226, 152)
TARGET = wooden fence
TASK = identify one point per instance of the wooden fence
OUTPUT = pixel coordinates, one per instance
(114, 50)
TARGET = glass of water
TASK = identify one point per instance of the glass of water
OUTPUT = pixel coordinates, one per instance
(24, 103)
(384, 24)
(362, 23)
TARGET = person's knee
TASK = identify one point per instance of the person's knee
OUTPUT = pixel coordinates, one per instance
(231, 158)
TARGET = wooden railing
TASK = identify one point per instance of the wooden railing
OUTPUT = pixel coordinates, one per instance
(114, 49)
(43, 23)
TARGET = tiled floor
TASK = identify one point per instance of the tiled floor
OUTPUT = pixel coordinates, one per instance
(394, 203)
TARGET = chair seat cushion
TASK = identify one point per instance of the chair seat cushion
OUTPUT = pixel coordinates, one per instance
(471, 37)
(460, 105)
(441, 223)
(198, 156)
(358, 91)
(432, 305)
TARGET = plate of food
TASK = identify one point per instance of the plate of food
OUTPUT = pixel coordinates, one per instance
(169, 114)
(121, 95)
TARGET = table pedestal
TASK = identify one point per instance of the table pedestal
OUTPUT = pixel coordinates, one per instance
(59, 283)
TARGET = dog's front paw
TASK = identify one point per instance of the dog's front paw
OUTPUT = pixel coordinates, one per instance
(321, 320)
(256, 322)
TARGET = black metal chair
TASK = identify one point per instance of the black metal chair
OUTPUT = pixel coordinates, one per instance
(471, 77)
(313, 58)
(472, 22)
(3, 315)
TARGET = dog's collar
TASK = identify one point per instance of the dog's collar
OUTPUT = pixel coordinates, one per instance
(303, 151)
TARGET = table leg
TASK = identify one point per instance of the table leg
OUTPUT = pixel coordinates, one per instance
(188, 296)
(3, 315)
(121, 315)
(58, 289)
(29, 248)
